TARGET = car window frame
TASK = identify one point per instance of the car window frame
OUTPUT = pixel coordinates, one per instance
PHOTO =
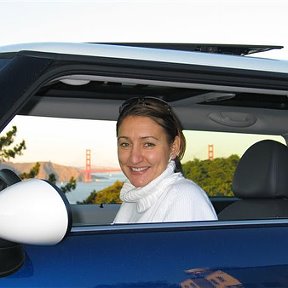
(112, 69)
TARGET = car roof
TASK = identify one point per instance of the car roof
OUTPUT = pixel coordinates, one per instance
(208, 91)
(161, 53)
(229, 49)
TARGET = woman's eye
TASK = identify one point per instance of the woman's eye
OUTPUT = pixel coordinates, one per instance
(149, 144)
(123, 144)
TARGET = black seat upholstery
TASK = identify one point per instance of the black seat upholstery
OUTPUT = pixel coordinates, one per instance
(261, 183)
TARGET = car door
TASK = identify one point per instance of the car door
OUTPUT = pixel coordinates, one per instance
(164, 255)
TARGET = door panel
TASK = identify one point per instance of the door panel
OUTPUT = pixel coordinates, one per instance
(154, 258)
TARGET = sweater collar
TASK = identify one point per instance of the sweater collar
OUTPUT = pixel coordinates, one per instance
(144, 197)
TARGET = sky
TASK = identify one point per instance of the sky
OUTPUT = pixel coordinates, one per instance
(254, 22)
(197, 21)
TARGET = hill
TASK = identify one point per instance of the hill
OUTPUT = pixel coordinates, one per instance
(61, 172)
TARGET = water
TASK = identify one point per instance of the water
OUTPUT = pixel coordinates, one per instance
(100, 181)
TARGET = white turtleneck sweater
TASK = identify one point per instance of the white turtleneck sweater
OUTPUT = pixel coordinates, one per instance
(168, 198)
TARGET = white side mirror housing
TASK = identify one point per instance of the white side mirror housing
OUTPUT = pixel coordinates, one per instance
(34, 212)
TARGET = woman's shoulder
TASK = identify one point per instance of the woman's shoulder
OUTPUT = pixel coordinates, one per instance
(187, 187)
(186, 195)
(183, 183)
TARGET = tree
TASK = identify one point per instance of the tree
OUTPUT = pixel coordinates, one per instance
(214, 176)
(32, 173)
(71, 185)
(6, 151)
(52, 178)
(109, 195)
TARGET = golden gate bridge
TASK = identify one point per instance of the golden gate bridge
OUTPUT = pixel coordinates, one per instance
(89, 170)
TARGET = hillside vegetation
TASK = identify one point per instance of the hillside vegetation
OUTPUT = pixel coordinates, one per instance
(214, 176)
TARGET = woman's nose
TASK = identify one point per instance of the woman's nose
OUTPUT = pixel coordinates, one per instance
(136, 155)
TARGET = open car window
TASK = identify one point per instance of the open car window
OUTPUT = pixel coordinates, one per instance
(69, 104)
(80, 157)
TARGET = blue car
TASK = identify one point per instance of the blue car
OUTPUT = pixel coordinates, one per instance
(234, 108)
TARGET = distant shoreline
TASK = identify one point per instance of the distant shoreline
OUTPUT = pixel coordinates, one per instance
(62, 173)
(103, 170)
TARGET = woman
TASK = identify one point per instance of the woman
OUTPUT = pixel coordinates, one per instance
(150, 146)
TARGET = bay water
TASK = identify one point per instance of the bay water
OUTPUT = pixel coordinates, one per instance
(99, 182)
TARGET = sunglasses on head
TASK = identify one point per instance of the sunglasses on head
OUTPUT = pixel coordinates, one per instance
(150, 101)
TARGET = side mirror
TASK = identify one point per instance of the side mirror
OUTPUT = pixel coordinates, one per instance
(31, 212)
(34, 212)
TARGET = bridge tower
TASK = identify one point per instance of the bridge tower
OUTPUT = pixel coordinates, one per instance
(210, 152)
(88, 166)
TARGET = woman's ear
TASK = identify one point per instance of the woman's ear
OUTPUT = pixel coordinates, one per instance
(175, 147)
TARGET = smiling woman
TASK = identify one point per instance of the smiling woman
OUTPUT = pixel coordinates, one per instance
(150, 146)
(147, 142)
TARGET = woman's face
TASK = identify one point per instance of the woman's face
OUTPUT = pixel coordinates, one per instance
(143, 149)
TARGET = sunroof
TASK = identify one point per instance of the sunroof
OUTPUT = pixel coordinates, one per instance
(117, 91)
(231, 49)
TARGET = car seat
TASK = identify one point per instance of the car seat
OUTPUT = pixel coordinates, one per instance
(261, 183)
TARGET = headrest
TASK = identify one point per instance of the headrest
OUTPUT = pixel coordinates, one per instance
(262, 171)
